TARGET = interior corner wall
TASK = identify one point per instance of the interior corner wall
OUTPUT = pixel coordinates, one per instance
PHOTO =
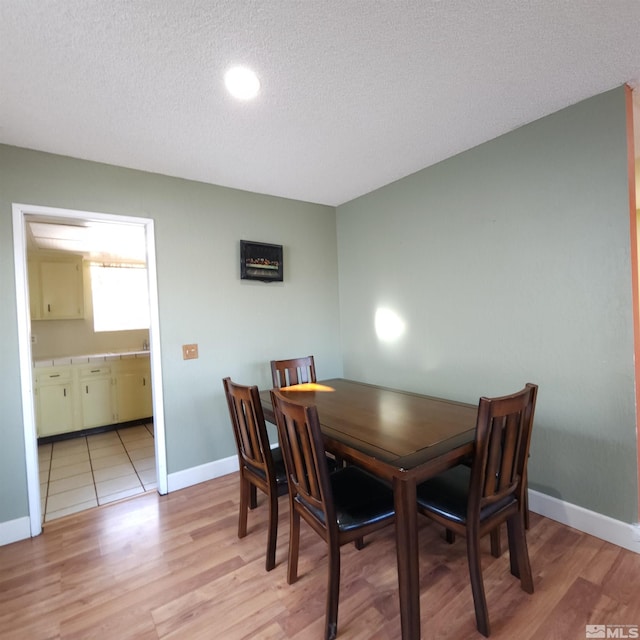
(510, 263)
(239, 325)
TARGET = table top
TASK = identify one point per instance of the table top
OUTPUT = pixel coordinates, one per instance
(400, 430)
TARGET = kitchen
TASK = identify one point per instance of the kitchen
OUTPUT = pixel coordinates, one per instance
(91, 362)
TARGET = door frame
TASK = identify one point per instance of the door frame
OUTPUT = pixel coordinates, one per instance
(20, 211)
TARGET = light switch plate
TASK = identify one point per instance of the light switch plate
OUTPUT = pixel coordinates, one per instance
(189, 351)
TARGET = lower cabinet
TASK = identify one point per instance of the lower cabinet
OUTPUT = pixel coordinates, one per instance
(96, 397)
(133, 389)
(75, 397)
(54, 401)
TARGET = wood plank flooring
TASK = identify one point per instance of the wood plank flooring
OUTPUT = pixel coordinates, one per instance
(172, 567)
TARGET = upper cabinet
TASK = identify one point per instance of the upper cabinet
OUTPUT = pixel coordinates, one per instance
(55, 287)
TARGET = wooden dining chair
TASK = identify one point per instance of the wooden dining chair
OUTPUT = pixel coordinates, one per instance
(475, 500)
(341, 507)
(261, 467)
(293, 371)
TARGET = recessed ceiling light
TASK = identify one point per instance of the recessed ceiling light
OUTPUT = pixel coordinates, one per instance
(242, 83)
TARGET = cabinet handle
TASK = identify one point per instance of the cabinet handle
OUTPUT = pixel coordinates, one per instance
(86, 388)
(54, 375)
(64, 391)
(144, 382)
(95, 370)
(49, 308)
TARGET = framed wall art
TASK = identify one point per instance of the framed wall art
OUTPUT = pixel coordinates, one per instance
(260, 261)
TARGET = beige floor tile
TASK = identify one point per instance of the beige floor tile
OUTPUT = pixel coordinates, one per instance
(151, 486)
(144, 463)
(66, 471)
(110, 461)
(70, 498)
(139, 454)
(133, 433)
(110, 450)
(52, 515)
(141, 443)
(117, 485)
(72, 482)
(65, 447)
(127, 493)
(109, 473)
(44, 466)
(72, 458)
(147, 477)
(44, 452)
(101, 440)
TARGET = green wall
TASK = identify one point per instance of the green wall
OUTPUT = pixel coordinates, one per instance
(239, 325)
(510, 263)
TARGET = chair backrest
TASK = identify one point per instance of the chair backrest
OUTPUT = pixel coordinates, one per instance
(304, 458)
(249, 427)
(293, 371)
(503, 435)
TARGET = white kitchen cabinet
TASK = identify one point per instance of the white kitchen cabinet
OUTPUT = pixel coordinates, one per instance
(96, 397)
(133, 389)
(56, 287)
(54, 395)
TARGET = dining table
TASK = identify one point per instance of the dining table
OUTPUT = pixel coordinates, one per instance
(399, 436)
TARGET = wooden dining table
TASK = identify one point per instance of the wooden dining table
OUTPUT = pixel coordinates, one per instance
(399, 436)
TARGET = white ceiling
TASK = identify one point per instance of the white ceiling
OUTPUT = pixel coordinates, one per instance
(355, 93)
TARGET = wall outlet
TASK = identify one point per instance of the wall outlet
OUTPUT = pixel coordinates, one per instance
(189, 351)
(34, 338)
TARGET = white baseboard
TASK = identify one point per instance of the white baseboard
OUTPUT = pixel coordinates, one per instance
(620, 533)
(14, 530)
(195, 475)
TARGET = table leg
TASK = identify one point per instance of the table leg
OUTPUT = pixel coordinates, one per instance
(404, 492)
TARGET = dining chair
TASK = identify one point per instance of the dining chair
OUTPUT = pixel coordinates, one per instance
(261, 467)
(474, 500)
(340, 507)
(293, 371)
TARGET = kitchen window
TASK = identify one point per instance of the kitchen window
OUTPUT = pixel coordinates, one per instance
(120, 296)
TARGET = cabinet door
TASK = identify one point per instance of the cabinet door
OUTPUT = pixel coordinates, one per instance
(61, 290)
(54, 409)
(133, 384)
(96, 400)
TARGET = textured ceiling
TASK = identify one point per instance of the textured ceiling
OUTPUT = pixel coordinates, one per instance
(355, 93)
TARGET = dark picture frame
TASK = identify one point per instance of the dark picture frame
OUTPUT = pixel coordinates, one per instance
(261, 261)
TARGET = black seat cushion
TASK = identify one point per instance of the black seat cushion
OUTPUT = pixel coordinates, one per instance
(359, 498)
(446, 495)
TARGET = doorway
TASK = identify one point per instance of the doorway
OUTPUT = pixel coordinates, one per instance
(21, 215)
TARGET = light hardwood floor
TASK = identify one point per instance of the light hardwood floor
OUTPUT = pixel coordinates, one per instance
(172, 567)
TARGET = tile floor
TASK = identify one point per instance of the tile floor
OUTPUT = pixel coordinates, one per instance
(93, 470)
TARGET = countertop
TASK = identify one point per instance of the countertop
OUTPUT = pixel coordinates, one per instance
(90, 358)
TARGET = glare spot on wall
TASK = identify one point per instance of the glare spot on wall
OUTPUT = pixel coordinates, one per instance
(389, 325)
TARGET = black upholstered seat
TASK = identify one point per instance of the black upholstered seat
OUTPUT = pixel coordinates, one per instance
(341, 507)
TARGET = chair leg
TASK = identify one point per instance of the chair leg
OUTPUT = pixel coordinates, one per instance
(477, 584)
(333, 591)
(496, 542)
(358, 543)
(519, 553)
(294, 544)
(272, 536)
(449, 536)
(244, 507)
(253, 500)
